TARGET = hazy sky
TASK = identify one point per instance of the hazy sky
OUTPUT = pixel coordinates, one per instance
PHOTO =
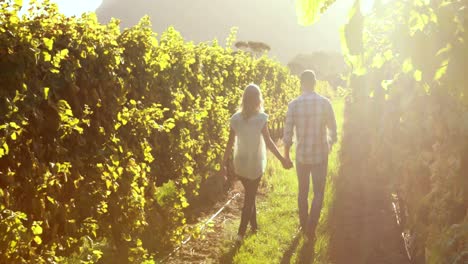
(270, 21)
(70, 7)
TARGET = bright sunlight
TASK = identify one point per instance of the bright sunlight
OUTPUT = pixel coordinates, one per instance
(234, 132)
(72, 8)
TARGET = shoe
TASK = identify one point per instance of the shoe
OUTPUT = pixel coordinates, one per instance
(254, 230)
(300, 230)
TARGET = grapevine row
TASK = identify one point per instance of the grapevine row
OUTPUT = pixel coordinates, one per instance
(104, 133)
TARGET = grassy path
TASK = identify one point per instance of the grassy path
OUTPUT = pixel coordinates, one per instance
(357, 224)
(277, 240)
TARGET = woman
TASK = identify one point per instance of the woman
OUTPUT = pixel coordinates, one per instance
(249, 135)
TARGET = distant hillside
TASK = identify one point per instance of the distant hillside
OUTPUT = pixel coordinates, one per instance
(328, 66)
(271, 22)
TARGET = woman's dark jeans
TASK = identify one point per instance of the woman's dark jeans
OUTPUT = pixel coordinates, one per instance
(249, 212)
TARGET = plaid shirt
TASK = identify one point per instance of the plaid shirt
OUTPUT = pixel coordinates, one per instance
(310, 114)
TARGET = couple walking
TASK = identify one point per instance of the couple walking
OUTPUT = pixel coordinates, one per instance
(312, 118)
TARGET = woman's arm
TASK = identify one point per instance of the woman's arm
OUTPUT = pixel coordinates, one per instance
(272, 147)
(227, 151)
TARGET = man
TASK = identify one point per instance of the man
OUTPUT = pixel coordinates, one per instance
(310, 115)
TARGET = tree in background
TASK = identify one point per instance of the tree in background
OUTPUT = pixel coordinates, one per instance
(328, 66)
(255, 47)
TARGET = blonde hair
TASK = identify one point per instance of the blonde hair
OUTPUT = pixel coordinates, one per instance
(252, 101)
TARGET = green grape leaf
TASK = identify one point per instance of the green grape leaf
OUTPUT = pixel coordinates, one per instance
(47, 56)
(46, 93)
(36, 228)
(442, 70)
(49, 43)
(38, 240)
(407, 66)
(417, 75)
(308, 11)
(352, 32)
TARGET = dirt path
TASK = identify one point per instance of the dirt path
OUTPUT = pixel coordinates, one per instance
(364, 228)
(363, 224)
(208, 249)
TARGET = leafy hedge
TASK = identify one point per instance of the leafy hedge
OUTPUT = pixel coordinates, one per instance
(409, 61)
(104, 133)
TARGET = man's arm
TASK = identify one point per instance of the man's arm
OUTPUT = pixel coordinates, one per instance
(331, 124)
(288, 132)
(272, 146)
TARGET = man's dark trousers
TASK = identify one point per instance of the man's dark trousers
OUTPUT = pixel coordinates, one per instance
(318, 172)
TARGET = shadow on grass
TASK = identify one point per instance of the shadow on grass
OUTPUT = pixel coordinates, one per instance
(307, 253)
(290, 251)
(228, 256)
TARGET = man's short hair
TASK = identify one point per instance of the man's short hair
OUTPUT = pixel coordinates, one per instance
(308, 80)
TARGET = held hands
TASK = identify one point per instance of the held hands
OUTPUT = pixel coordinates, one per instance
(287, 163)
